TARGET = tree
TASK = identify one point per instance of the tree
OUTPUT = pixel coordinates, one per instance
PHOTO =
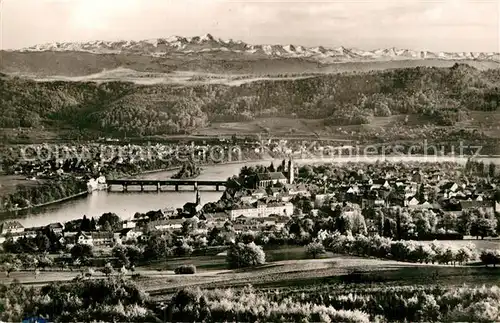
(113, 220)
(241, 255)
(183, 250)
(189, 305)
(134, 254)
(10, 267)
(483, 222)
(93, 225)
(449, 221)
(157, 247)
(123, 271)
(42, 243)
(120, 252)
(424, 222)
(246, 237)
(490, 257)
(306, 171)
(106, 227)
(108, 269)
(81, 251)
(314, 249)
(44, 261)
(85, 224)
(492, 169)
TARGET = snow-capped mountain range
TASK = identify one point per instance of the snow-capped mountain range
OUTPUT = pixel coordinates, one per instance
(163, 47)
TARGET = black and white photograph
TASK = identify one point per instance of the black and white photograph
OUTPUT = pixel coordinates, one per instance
(249, 161)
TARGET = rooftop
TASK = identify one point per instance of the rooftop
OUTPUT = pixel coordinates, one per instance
(270, 176)
(12, 225)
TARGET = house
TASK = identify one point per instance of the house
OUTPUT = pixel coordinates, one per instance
(450, 187)
(382, 183)
(467, 205)
(129, 233)
(103, 238)
(11, 227)
(275, 191)
(412, 202)
(214, 217)
(320, 199)
(259, 193)
(25, 234)
(169, 224)
(128, 224)
(297, 189)
(190, 209)
(353, 190)
(424, 205)
(372, 202)
(56, 227)
(248, 199)
(266, 179)
(84, 238)
(95, 238)
(168, 212)
(261, 209)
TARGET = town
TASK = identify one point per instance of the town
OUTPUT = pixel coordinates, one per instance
(401, 201)
(322, 161)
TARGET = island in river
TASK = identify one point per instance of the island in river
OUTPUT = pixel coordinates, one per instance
(187, 171)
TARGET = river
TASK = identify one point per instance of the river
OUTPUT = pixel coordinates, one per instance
(127, 204)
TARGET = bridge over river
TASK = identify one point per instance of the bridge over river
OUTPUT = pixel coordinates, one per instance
(142, 183)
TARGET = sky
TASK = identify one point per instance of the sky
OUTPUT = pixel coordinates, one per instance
(446, 25)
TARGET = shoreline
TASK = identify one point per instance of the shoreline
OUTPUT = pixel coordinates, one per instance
(61, 200)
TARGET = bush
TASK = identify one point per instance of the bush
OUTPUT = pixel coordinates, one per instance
(185, 270)
(242, 255)
(314, 249)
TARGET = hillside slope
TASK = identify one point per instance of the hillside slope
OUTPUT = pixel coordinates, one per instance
(444, 95)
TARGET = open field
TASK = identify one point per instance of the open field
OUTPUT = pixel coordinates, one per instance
(271, 125)
(9, 183)
(484, 121)
(276, 127)
(175, 77)
(336, 269)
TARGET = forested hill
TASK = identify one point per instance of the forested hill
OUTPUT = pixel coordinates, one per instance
(445, 94)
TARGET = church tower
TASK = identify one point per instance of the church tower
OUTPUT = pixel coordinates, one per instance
(291, 171)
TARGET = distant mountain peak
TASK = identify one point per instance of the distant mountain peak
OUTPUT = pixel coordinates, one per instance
(207, 43)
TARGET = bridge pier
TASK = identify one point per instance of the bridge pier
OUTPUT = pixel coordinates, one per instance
(176, 187)
(125, 187)
(217, 187)
(158, 187)
(142, 188)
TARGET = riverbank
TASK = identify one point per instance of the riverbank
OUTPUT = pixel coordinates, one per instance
(126, 204)
(31, 207)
